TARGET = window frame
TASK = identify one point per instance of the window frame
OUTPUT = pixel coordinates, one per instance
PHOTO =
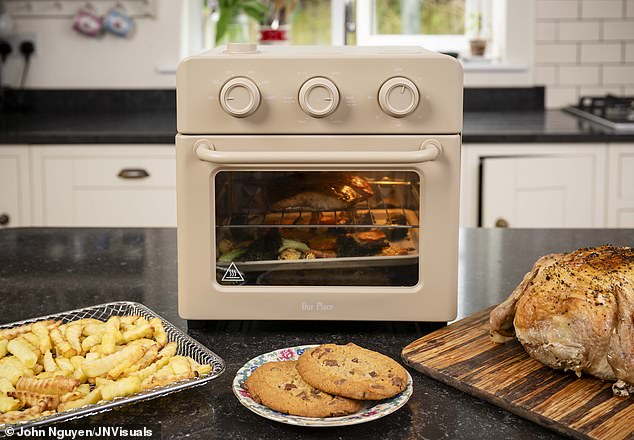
(446, 43)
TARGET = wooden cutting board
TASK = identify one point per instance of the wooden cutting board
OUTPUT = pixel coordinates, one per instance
(461, 355)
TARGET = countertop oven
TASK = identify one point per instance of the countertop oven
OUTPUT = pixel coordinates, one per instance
(318, 183)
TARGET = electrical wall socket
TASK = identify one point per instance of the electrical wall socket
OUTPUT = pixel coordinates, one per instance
(16, 39)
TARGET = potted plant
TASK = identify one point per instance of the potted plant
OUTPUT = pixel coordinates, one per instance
(477, 42)
(232, 24)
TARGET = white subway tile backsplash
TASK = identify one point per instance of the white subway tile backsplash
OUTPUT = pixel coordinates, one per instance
(555, 53)
(552, 9)
(601, 8)
(629, 54)
(557, 97)
(546, 31)
(584, 47)
(600, 91)
(545, 75)
(579, 31)
(579, 75)
(618, 30)
(623, 74)
(601, 52)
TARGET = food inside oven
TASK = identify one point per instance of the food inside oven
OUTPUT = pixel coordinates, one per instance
(317, 227)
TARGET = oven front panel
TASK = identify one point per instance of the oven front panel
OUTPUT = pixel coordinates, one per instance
(304, 239)
(304, 228)
(358, 73)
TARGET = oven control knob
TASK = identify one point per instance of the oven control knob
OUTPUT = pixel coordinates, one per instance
(398, 97)
(240, 97)
(318, 97)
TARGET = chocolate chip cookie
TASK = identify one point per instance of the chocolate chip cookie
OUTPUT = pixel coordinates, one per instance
(352, 371)
(279, 386)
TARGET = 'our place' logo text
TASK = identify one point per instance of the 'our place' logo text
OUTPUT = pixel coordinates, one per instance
(317, 307)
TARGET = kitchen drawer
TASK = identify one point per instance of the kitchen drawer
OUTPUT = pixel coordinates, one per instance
(105, 207)
(104, 186)
(124, 172)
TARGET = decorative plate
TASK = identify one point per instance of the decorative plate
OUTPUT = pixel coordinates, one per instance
(371, 411)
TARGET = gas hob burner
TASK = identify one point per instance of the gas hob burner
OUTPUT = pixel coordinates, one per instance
(611, 107)
(612, 111)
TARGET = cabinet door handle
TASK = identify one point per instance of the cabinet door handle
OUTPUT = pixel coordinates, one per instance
(4, 219)
(133, 173)
(501, 223)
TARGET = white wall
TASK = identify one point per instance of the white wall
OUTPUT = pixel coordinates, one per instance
(573, 47)
(584, 47)
(65, 59)
(512, 36)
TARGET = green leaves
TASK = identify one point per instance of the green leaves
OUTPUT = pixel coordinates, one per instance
(255, 9)
(226, 16)
(230, 9)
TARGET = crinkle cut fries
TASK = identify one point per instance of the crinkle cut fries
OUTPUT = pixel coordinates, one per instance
(50, 366)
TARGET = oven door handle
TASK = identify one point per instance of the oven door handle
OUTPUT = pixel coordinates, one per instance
(430, 150)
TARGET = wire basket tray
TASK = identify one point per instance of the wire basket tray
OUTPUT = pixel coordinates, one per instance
(187, 346)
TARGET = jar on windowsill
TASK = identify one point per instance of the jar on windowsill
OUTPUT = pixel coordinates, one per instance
(278, 35)
(238, 30)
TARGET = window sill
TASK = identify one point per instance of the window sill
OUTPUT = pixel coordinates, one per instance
(468, 66)
(166, 69)
(477, 66)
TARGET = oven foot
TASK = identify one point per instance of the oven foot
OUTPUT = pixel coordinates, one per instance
(428, 327)
(196, 324)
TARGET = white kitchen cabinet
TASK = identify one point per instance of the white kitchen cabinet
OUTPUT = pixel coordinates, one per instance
(534, 185)
(620, 211)
(104, 185)
(15, 209)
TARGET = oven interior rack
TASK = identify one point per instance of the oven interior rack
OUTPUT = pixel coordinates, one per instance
(394, 205)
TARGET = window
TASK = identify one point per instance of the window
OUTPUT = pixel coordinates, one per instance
(440, 25)
(351, 228)
(312, 23)
(437, 17)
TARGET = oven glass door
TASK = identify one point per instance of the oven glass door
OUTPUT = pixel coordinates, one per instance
(343, 228)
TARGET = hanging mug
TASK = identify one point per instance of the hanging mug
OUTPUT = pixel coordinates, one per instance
(118, 22)
(88, 22)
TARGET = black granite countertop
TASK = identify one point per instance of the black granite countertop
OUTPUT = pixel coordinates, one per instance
(536, 126)
(491, 115)
(159, 126)
(92, 127)
(43, 271)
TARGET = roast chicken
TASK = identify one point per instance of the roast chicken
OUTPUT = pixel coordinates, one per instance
(575, 312)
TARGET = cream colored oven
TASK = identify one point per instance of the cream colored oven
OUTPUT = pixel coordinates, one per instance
(318, 183)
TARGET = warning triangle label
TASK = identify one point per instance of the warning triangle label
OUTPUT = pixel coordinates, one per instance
(232, 273)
